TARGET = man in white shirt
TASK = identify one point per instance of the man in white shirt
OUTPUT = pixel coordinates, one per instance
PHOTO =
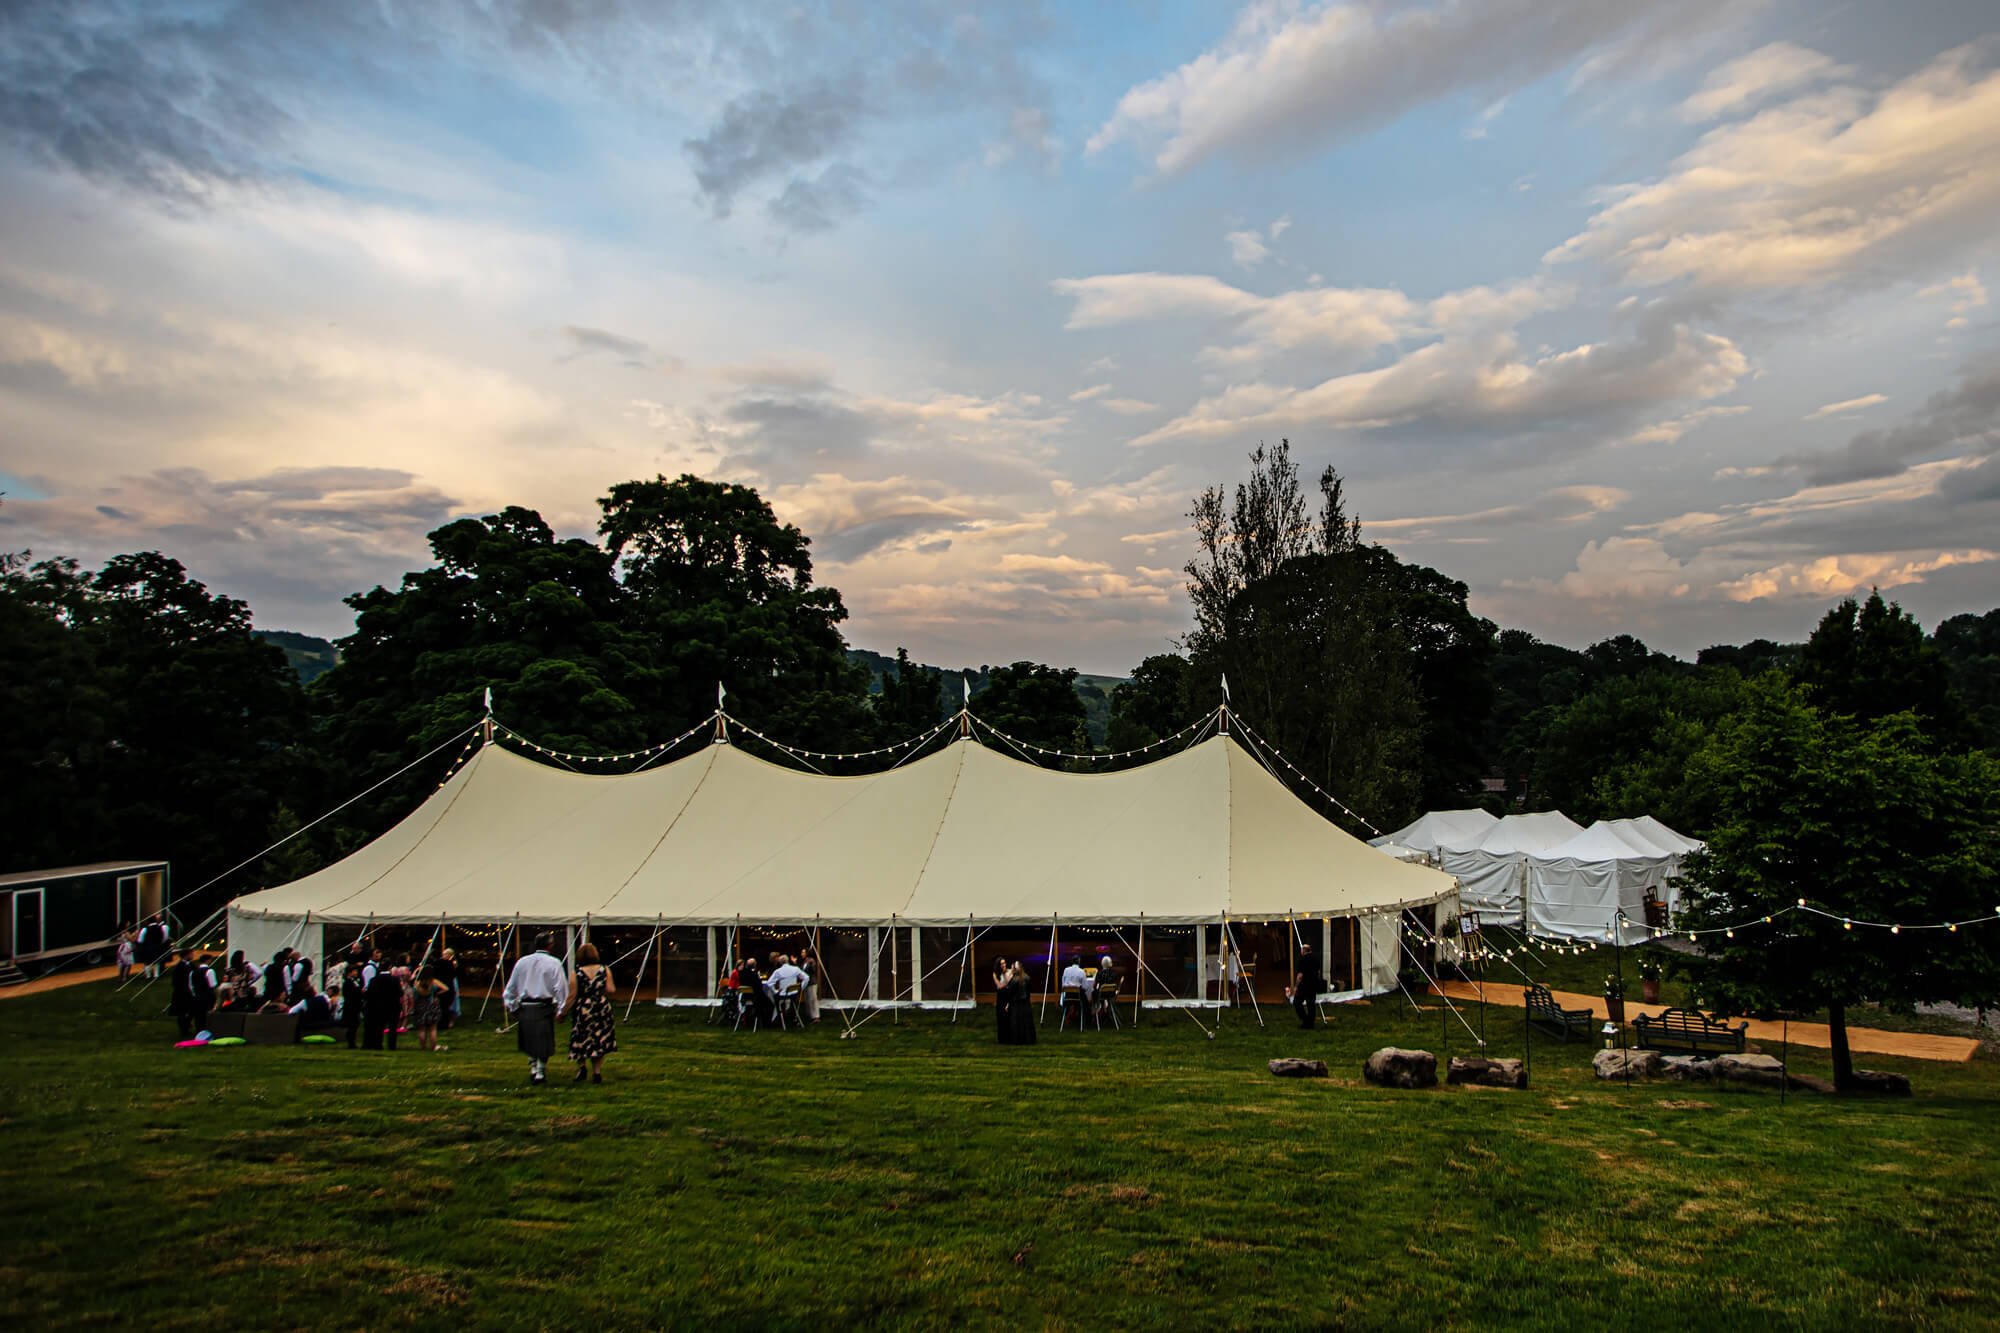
(536, 991)
(1075, 976)
(786, 976)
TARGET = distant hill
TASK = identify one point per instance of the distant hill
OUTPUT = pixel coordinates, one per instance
(1095, 691)
(310, 657)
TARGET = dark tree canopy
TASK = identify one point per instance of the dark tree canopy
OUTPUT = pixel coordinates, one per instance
(1868, 817)
(144, 719)
(1871, 659)
(1153, 703)
(1035, 703)
(912, 698)
(1970, 646)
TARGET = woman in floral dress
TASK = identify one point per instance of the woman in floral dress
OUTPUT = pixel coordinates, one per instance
(593, 1033)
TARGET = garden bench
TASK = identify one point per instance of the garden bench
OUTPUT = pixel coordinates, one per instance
(1552, 1018)
(1686, 1030)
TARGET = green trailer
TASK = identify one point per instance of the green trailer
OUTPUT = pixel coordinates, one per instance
(47, 917)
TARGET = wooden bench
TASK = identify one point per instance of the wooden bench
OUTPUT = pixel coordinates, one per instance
(1552, 1018)
(1686, 1030)
(270, 1029)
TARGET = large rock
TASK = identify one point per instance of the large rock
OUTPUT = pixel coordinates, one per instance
(1299, 1068)
(1394, 1067)
(1878, 1081)
(1762, 1071)
(1687, 1068)
(1486, 1073)
(1619, 1064)
(1807, 1083)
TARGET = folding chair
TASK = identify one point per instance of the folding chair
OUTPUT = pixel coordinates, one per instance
(787, 1005)
(746, 1012)
(1107, 1003)
(1072, 1004)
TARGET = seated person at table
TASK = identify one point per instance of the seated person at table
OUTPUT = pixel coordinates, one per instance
(313, 1006)
(787, 976)
(1074, 977)
(751, 983)
(1107, 977)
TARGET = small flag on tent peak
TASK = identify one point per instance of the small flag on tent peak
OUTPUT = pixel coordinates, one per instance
(1225, 687)
(966, 682)
(719, 693)
(489, 698)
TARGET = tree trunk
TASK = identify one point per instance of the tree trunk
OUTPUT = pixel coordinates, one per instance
(1843, 1059)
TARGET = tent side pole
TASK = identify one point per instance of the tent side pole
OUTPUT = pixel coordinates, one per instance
(895, 974)
(964, 968)
(1139, 980)
(1049, 985)
(642, 969)
(1236, 947)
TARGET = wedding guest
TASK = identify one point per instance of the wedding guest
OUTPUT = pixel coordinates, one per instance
(593, 1028)
(193, 993)
(1003, 999)
(429, 1009)
(127, 951)
(353, 997)
(1021, 1005)
(536, 992)
(445, 969)
(809, 997)
(381, 1011)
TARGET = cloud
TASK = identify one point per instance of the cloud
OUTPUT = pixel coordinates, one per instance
(1347, 320)
(1128, 406)
(1964, 419)
(1747, 80)
(1835, 184)
(1247, 248)
(1563, 504)
(821, 202)
(292, 541)
(1967, 294)
(585, 341)
(1094, 391)
(1622, 570)
(1482, 380)
(1845, 406)
(763, 135)
(1670, 431)
(1290, 79)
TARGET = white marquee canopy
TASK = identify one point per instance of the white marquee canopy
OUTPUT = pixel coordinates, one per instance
(963, 835)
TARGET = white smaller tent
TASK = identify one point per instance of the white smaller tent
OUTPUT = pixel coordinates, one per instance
(1399, 852)
(1576, 889)
(1432, 831)
(1491, 867)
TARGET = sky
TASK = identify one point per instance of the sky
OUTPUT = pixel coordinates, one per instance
(1669, 319)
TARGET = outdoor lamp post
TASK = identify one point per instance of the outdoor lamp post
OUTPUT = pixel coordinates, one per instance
(1610, 1034)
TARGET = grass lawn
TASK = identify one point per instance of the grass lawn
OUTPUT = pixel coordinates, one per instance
(922, 1175)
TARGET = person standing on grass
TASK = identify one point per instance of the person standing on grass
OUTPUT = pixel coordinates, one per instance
(536, 992)
(1021, 1005)
(353, 995)
(1306, 988)
(126, 951)
(430, 992)
(593, 1028)
(809, 997)
(445, 969)
(381, 1010)
(1003, 998)
(193, 994)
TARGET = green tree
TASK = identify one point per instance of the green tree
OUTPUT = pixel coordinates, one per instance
(1034, 703)
(1306, 629)
(1622, 749)
(1871, 659)
(1153, 703)
(723, 591)
(1970, 646)
(1869, 818)
(145, 717)
(912, 698)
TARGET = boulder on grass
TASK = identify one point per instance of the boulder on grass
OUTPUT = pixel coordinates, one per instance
(1687, 1068)
(1486, 1073)
(1882, 1083)
(1618, 1064)
(1762, 1071)
(1807, 1083)
(1299, 1068)
(1394, 1067)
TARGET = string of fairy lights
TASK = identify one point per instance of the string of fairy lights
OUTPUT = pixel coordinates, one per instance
(1094, 756)
(647, 753)
(833, 756)
(1298, 773)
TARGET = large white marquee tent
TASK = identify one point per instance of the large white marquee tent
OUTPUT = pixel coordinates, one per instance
(961, 838)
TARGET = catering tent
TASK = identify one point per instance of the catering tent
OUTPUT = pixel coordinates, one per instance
(963, 837)
(1491, 867)
(1432, 831)
(1577, 889)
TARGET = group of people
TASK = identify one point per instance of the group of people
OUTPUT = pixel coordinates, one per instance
(540, 991)
(147, 946)
(792, 985)
(373, 1000)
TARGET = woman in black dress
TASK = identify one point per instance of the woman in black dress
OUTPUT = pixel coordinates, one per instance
(1002, 1003)
(593, 1030)
(1021, 1006)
